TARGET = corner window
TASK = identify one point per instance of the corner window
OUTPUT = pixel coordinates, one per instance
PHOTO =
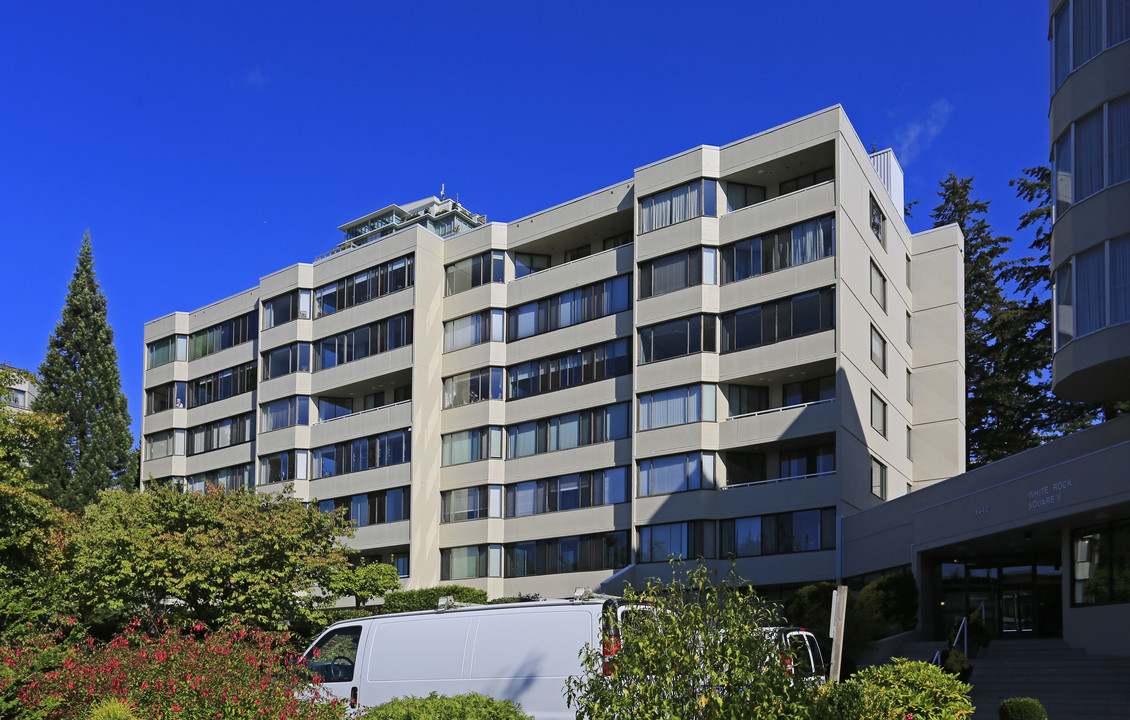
(676, 473)
(677, 406)
(474, 271)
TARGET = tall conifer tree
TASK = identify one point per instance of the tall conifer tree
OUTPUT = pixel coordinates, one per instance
(1003, 412)
(81, 384)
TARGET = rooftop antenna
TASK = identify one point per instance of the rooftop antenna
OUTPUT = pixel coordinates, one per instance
(442, 195)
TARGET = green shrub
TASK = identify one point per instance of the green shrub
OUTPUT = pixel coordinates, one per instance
(851, 701)
(811, 608)
(894, 598)
(113, 709)
(471, 706)
(399, 601)
(956, 663)
(979, 635)
(1022, 708)
(917, 688)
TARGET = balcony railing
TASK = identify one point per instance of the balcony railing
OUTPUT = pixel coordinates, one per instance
(780, 409)
(779, 480)
(362, 412)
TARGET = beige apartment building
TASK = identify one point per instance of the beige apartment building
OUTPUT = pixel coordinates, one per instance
(721, 356)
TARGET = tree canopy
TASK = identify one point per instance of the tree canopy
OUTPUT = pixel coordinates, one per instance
(81, 385)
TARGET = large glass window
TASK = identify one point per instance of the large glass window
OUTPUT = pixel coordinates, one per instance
(1090, 290)
(165, 397)
(807, 461)
(1092, 154)
(677, 271)
(739, 195)
(471, 503)
(1078, 33)
(221, 385)
(528, 264)
(791, 532)
(680, 203)
(660, 543)
(809, 391)
(474, 271)
(223, 336)
(389, 448)
(485, 326)
(286, 360)
(233, 479)
(562, 432)
(577, 367)
(471, 445)
(676, 473)
(293, 305)
(283, 467)
(570, 308)
(473, 387)
(286, 412)
(167, 350)
(603, 551)
(384, 279)
(359, 343)
(1087, 285)
(781, 320)
(164, 444)
(676, 406)
(473, 561)
(677, 338)
(221, 434)
(793, 245)
(567, 492)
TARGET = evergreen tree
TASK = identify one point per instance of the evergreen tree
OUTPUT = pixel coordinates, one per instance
(1031, 278)
(1004, 410)
(80, 384)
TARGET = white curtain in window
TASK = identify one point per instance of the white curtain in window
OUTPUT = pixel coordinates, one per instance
(464, 562)
(525, 498)
(1089, 155)
(808, 239)
(1118, 140)
(669, 274)
(709, 266)
(661, 210)
(1120, 280)
(679, 209)
(694, 200)
(1064, 306)
(1090, 291)
(457, 448)
(645, 214)
(694, 403)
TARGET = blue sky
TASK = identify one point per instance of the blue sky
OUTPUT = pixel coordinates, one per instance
(207, 144)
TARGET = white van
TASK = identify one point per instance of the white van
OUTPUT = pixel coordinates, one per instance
(523, 652)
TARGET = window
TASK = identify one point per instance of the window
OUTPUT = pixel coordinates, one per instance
(790, 532)
(390, 448)
(283, 467)
(567, 492)
(909, 394)
(676, 473)
(908, 455)
(165, 397)
(878, 479)
(528, 264)
(331, 408)
(1100, 564)
(878, 350)
(677, 406)
(878, 414)
(777, 321)
(908, 271)
(739, 195)
(293, 305)
(908, 337)
(223, 336)
(578, 252)
(474, 561)
(794, 245)
(472, 387)
(744, 468)
(807, 180)
(1092, 154)
(284, 413)
(678, 204)
(603, 551)
(577, 367)
(359, 343)
(167, 350)
(471, 445)
(808, 391)
(485, 326)
(221, 434)
(14, 397)
(221, 385)
(660, 543)
(877, 220)
(286, 360)
(233, 479)
(746, 399)
(570, 308)
(1092, 290)
(471, 503)
(164, 444)
(474, 271)
(677, 338)
(807, 462)
(384, 279)
(571, 430)
(677, 271)
(878, 285)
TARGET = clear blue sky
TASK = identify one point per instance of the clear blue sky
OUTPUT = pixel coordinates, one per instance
(206, 144)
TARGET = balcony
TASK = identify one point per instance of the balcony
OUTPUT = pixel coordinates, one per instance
(781, 423)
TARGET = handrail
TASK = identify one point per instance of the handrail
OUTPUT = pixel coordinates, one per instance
(963, 629)
(782, 408)
(937, 659)
(777, 480)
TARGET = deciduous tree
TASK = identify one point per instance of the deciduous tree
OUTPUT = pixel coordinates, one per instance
(81, 385)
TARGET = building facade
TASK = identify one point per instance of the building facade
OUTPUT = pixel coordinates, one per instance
(1090, 150)
(721, 356)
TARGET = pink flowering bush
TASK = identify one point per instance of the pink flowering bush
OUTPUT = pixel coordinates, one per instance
(194, 674)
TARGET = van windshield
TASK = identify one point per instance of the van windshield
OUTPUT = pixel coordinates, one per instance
(334, 656)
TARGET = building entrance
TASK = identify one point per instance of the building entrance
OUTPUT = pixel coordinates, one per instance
(1015, 601)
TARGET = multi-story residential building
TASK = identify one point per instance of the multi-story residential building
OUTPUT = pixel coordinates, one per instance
(1090, 245)
(19, 396)
(718, 357)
